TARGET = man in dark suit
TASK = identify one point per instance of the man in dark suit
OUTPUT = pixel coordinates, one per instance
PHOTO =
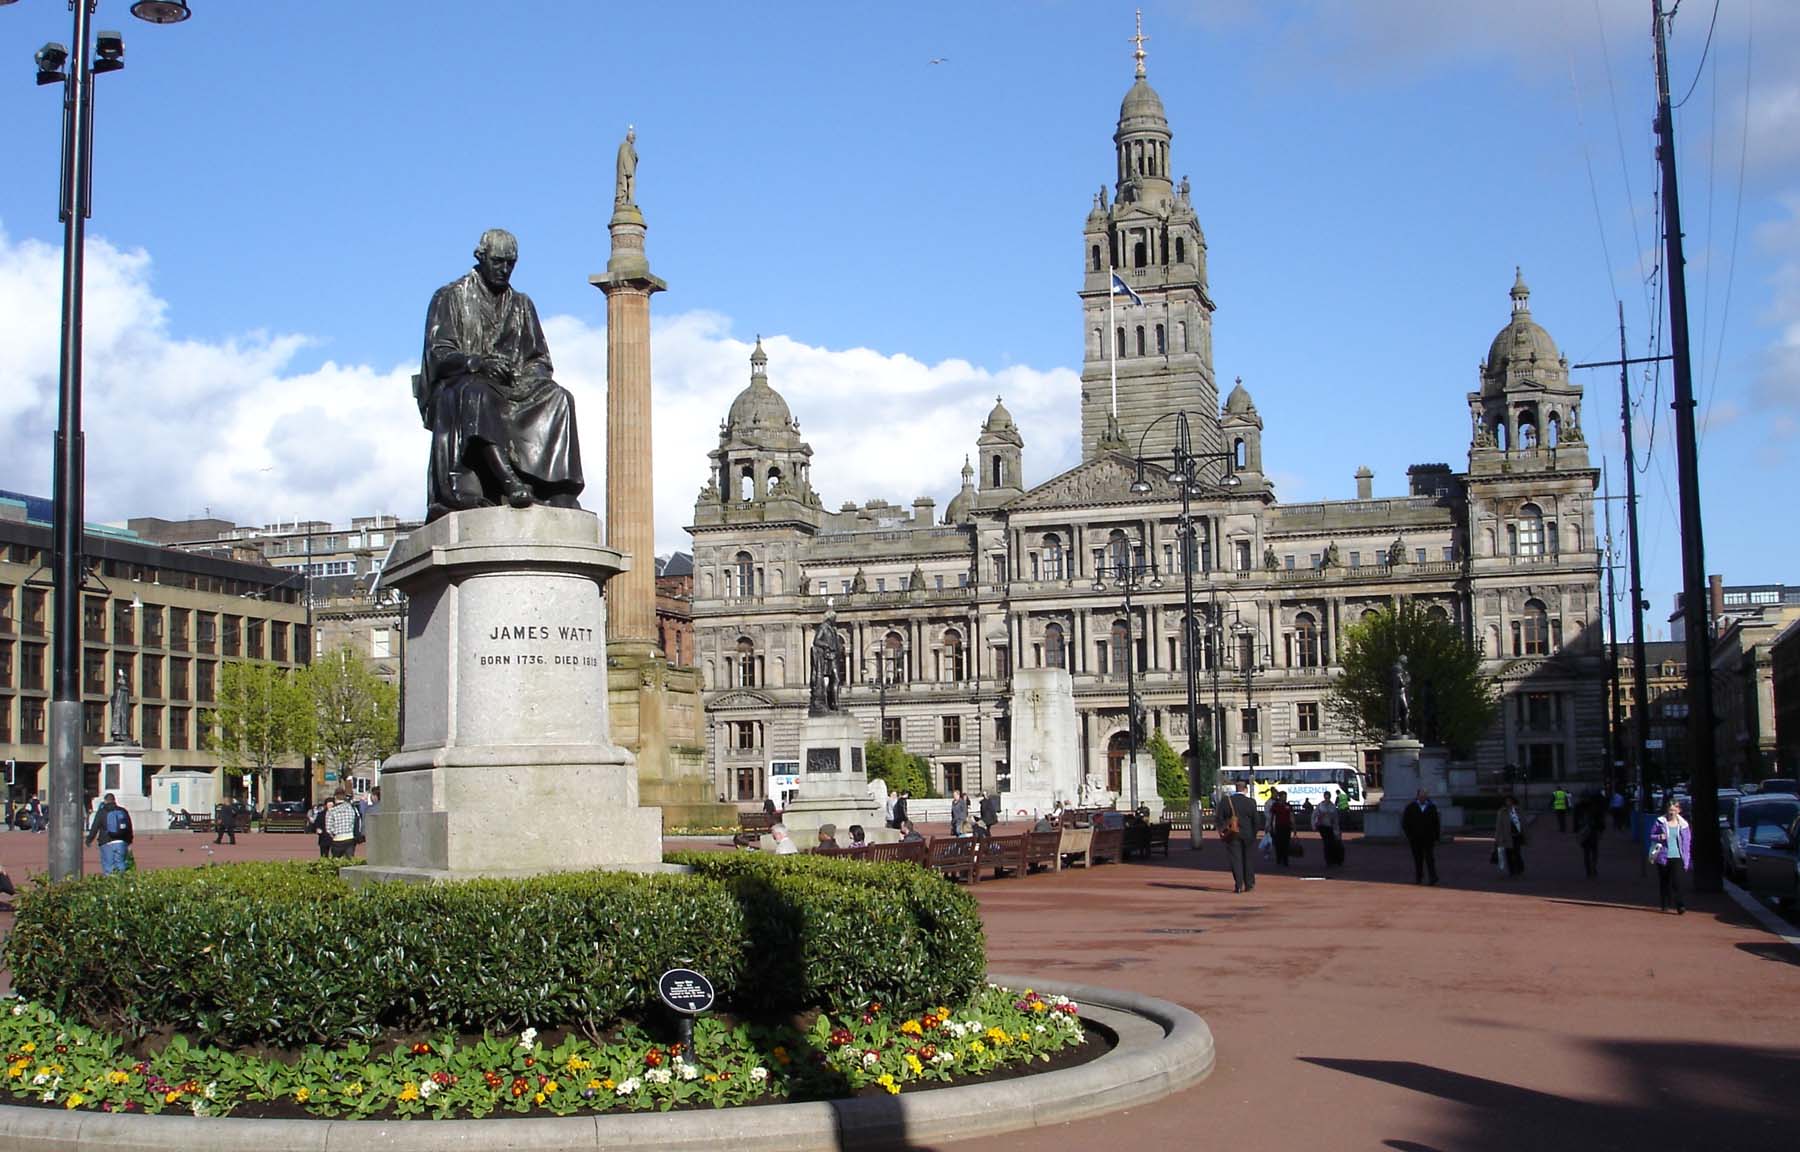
(1239, 845)
(1421, 826)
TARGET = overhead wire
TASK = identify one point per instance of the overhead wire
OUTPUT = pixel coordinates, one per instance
(1737, 220)
(1703, 50)
(1637, 237)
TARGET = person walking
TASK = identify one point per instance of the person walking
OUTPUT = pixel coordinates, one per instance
(343, 824)
(111, 826)
(320, 815)
(1281, 827)
(1559, 803)
(900, 807)
(990, 814)
(1422, 826)
(1306, 814)
(1325, 823)
(224, 822)
(1236, 823)
(1590, 824)
(1618, 810)
(1509, 837)
(35, 810)
(959, 812)
(1671, 850)
(887, 809)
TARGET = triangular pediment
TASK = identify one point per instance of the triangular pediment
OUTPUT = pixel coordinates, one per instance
(1103, 480)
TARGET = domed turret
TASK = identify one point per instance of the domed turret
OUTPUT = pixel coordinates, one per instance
(963, 502)
(1522, 343)
(1239, 402)
(999, 420)
(1526, 401)
(758, 407)
(1143, 138)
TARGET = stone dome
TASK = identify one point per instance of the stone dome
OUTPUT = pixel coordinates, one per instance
(999, 419)
(1523, 340)
(759, 406)
(1142, 108)
(957, 511)
(1239, 402)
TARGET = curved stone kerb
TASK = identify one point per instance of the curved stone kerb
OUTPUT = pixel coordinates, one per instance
(1163, 1048)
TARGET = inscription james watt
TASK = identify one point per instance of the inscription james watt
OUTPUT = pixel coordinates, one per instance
(525, 646)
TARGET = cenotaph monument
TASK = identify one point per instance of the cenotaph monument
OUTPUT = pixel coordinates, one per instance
(655, 705)
(833, 784)
(508, 767)
(1046, 763)
(1407, 765)
(122, 757)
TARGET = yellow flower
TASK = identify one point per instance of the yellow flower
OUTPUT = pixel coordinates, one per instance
(913, 1063)
(712, 1077)
(537, 1097)
(74, 1101)
(941, 1012)
(28, 1047)
(1039, 1007)
(608, 1084)
(551, 1086)
(577, 1064)
(302, 1094)
(171, 1095)
(977, 1046)
(887, 1081)
(117, 1077)
(16, 1070)
(353, 1089)
(1024, 1037)
(911, 1027)
(998, 1036)
(410, 1092)
(595, 1084)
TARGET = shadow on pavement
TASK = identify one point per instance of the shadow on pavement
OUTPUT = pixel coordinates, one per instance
(1678, 1096)
(1779, 951)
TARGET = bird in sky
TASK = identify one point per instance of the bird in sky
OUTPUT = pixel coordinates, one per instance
(938, 60)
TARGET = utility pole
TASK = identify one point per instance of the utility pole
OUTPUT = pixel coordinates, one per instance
(1615, 724)
(1640, 690)
(1702, 770)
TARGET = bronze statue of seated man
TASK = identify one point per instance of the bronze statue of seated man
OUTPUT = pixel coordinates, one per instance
(502, 429)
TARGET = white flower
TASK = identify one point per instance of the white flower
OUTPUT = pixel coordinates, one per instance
(657, 1076)
(689, 1072)
(944, 1058)
(626, 1087)
(41, 1079)
(870, 1059)
(19, 1009)
(528, 1038)
(212, 1089)
(48, 1097)
(1040, 1027)
(199, 1107)
(426, 1088)
(1060, 1001)
(759, 1074)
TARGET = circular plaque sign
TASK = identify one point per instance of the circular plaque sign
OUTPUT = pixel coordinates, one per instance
(685, 990)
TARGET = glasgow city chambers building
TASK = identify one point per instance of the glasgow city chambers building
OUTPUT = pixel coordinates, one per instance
(937, 611)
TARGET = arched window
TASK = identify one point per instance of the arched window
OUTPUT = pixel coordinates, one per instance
(1055, 655)
(774, 478)
(1181, 344)
(743, 575)
(1528, 433)
(997, 466)
(1531, 633)
(747, 484)
(1438, 613)
(1368, 614)
(1552, 430)
(1117, 750)
(1095, 255)
(744, 666)
(1118, 551)
(1119, 341)
(1180, 250)
(1240, 453)
(1140, 253)
(954, 666)
(1053, 556)
(1306, 640)
(1162, 346)
(1140, 339)
(893, 654)
(1531, 530)
(1120, 649)
(1501, 435)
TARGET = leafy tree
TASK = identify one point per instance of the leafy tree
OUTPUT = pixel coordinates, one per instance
(1451, 701)
(354, 713)
(1171, 769)
(903, 771)
(261, 715)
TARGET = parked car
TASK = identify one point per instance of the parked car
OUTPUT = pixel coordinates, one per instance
(1738, 823)
(1777, 785)
(1772, 861)
(286, 816)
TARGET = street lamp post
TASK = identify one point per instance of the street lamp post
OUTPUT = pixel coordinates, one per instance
(74, 205)
(1185, 475)
(1128, 576)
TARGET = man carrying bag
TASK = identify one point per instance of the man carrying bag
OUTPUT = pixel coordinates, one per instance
(1237, 823)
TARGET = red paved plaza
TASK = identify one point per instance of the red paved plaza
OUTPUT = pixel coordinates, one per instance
(1362, 1012)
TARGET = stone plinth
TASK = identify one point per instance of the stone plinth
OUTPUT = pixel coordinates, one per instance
(122, 774)
(1407, 766)
(655, 710)
(1046, 761)
(508, 767)
(833, 787)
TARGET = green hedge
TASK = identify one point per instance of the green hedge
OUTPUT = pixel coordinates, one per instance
(288, 954)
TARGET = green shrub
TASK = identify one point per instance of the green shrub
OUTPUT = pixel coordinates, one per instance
(288, 954)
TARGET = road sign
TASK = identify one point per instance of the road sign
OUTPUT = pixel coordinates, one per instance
(1654, 743)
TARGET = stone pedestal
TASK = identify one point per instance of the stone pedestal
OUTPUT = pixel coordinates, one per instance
(122, 774)
(834, 785)
(656, 714)
(1407, 766)
(508, 768)
(1046, 762)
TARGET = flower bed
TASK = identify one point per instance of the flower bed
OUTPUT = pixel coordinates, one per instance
(51, 1062)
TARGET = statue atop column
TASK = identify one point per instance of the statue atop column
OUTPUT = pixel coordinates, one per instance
(625, 172)
(120, 732)
(827, 666)
(502, 429)
(1399, 704)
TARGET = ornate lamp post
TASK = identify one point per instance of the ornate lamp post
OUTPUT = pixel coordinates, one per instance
(75, 71)
(1128, 577)
(1184, 473)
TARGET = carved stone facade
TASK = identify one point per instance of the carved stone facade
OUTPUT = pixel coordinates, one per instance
(936, 614)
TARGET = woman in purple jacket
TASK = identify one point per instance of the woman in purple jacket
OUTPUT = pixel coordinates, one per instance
(1671, 850)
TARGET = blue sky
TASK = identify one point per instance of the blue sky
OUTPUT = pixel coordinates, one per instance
(280, 186)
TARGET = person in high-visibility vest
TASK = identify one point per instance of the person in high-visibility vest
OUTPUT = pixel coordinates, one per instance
(1559, 803)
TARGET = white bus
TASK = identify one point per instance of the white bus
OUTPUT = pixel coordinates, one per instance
(784, 778)
(1301, 782)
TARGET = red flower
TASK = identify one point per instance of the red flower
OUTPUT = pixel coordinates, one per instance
(928, 1052)
(875, 1007)
(421, 1049)
(441, 1079)
(675, 1049)
(839, 1037)
(491, 1079)
(653, 1058)
(519, 1087)
(531, 1061)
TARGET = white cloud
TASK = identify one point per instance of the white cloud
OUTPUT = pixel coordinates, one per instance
(177, 427)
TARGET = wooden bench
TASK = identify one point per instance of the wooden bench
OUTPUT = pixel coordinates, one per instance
(1073, 842)
(910, 851)
(1004, 853)
(955, 856)
(287, 823)
(1108, 844)
(752, 827)
(1141, 839)
(1042, 850)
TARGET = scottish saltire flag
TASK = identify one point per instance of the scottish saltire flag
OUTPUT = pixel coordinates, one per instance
(1120, 287)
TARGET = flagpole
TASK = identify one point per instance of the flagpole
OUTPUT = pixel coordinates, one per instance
(1112, 346)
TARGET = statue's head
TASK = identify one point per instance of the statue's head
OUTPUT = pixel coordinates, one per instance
(495, 257)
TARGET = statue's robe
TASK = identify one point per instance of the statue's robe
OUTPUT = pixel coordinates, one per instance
(531, 420)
